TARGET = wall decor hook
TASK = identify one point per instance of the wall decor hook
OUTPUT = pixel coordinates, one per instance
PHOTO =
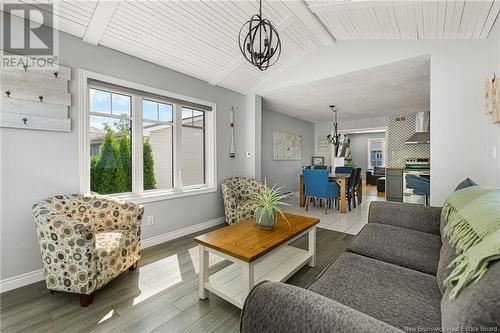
(25, 67)
(41, 98)
(25, 120)
(7, 93)
(56, 74)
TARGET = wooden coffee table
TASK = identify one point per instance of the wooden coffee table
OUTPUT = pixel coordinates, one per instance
(257, 255)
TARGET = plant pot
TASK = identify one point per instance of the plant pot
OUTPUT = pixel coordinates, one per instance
(263, 220)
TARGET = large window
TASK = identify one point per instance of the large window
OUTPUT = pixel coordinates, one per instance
(376, 153)
(144, 144)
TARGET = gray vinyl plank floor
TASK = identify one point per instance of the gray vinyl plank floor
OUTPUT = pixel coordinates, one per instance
(160, 296)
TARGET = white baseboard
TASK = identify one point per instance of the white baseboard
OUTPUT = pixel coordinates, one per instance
(35, 276)
(181, 232)
(21, 280)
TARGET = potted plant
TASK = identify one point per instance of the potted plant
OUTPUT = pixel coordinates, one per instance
(268, 202)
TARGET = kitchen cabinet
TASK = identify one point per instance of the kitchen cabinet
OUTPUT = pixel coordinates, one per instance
(394, 184)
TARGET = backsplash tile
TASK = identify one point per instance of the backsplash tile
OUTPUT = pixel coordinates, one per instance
(400, 128)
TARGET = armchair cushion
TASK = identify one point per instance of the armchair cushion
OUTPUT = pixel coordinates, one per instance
(114, 254)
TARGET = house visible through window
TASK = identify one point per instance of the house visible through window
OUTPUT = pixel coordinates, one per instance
(141, 143)
(110, 142)
(376, 153)
(158, 136)
(193, 148)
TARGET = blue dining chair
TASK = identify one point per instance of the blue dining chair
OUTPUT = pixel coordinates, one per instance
(420, 186)
(343, 170)
(317, 185)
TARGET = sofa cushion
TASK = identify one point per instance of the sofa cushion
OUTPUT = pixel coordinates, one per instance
(400, 246)
(477, 306)
(396, 295)
(446, 256)
(379, 171)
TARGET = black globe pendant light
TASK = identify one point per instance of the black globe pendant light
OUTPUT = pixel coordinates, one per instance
(259, 41)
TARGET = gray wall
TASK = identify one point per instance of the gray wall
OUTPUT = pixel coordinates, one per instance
(38, 164)
(359, 146)
(284, 173)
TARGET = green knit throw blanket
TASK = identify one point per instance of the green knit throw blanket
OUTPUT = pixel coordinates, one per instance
(472, 224)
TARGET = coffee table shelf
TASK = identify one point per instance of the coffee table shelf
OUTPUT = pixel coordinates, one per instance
(278, 266)
(257, 255)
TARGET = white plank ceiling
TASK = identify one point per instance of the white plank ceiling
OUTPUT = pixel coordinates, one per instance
(199, 38)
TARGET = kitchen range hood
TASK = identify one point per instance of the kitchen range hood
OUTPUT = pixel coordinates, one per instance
(422, 128)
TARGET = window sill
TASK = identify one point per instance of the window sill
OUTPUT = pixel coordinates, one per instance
(152, 196)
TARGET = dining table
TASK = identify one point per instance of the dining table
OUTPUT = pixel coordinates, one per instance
(341, 179)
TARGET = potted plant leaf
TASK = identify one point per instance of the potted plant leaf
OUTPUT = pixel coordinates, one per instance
(268, 203)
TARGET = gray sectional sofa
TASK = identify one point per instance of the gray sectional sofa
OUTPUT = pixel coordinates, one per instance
(390, 279)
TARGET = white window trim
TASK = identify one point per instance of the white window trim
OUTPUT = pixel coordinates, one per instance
(139, 195)
(368, 151)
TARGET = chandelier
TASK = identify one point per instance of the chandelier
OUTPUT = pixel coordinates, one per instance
(259, 41)
(340, 144)
(335, 138)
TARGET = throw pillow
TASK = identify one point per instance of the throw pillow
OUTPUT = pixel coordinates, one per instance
(465, 183)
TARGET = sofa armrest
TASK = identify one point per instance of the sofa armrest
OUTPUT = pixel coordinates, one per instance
(279, 307)
(405, 215)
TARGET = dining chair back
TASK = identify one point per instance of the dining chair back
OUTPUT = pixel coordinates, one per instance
(317, 185)
(420, 186)
(343, 169)
(315, 182)
(352, 186)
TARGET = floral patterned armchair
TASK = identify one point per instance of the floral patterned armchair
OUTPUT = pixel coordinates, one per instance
(86, 241)
(237, 192)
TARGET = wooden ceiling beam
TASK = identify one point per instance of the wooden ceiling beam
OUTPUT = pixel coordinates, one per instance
(353, 4)
(99, 21)
(310, 21)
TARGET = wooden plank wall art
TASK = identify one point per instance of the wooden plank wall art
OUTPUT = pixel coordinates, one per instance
(36, 99)
(493, 98)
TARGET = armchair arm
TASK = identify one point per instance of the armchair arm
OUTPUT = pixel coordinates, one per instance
(279, 307)
(229, 202)
(68, 252)
(411, 216)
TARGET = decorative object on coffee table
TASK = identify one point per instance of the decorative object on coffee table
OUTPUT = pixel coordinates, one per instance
(267, 203)
(257, 255)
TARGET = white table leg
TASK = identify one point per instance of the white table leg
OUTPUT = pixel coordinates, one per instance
(312, 246)
(203, 272)
(247, 279)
